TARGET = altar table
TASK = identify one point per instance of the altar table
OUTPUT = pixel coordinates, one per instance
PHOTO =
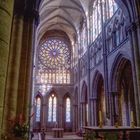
(111, 129)
(57, 132)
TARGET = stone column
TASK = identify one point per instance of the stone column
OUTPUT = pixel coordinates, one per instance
(92, 110)
(75, 120)
(133, 32)
(82, 114)
(61, 116)
(26, 66)
(115, 107)
(43, 112)
(6, 13)
(13, 72)
(95, 111)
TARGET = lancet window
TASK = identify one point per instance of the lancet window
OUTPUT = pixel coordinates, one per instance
(38, 109)
(68, 109)
(52, 109)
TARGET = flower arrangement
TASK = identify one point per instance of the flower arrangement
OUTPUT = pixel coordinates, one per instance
(18, 127)
(20, 130)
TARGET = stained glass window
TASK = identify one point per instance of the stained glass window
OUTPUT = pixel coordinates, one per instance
(38, 109)
(52, 108)
(84, 39)
(112, 7)
(53, 62)
(68, 109)
(96, 19)
(102, 11)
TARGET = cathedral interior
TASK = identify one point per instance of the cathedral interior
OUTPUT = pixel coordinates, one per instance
(69, 64)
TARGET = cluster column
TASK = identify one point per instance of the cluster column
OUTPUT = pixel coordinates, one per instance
(6, 14)
(13, 72)
(133, 32)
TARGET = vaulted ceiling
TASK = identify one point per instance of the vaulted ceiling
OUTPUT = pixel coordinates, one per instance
(65, 15)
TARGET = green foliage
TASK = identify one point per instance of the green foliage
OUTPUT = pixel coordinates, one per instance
(20, 130)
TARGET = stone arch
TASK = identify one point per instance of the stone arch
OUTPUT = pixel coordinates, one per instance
(97, 76)
(84, 92)
(37, 124)
(84, 104)
(67, 125)
(38, 94)
(52, 90)
(119, 61)
(127, 8)
(98, 95)
(122, 90)
(130, 9)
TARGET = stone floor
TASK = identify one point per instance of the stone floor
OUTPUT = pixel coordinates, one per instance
(49, 136)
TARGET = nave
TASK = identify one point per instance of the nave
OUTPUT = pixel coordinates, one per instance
(70, 66)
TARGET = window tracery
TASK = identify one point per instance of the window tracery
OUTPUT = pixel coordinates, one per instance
(102, 11)
(53, 62)
(52, 109)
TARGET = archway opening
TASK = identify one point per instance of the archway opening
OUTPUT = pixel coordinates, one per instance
(84, 105)
(126, 103)
(101, 107)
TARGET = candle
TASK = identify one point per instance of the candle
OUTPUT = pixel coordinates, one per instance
(100, 116)
(132, 117)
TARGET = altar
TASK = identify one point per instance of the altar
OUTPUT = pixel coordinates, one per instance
(57, 132)
(110, 129)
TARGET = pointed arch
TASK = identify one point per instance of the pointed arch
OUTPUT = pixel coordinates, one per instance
(67, 102)
(96, 79)
(122, 86)
(98, 94)
(38, 106)
(119, 62)
(84, 92)
(128, 9)
(84, 104)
